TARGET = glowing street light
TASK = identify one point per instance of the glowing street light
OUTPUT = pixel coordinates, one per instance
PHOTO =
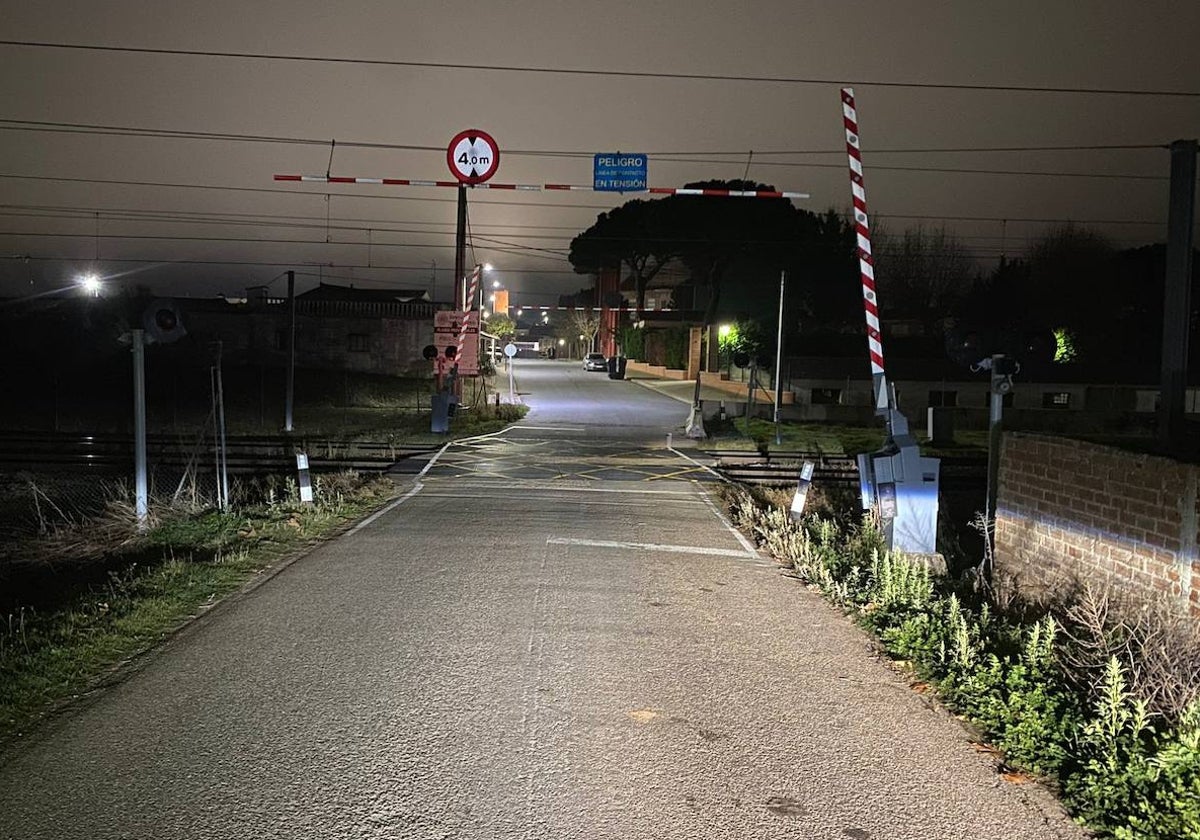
(91, 284)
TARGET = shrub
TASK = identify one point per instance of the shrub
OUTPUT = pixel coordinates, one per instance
(1057, 700)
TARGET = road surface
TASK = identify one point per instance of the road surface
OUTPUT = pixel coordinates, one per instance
(553, 635)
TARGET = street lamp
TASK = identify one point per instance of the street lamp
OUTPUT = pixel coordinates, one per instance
(724, 331)
(90, 283)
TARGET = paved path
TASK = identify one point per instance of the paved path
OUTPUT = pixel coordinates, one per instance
(520, 656)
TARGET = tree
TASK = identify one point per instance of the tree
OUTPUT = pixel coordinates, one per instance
(630, 236)
(501, 326)
(755, 236)
(923, 274)
(585, 324)
(734, 248)
(1069, 290)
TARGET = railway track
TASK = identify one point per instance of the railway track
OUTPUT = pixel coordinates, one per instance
(784, 467)
(113, 453)
(106, 453)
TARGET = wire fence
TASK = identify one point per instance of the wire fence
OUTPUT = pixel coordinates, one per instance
(36, 503)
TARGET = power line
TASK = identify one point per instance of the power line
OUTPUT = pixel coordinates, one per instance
(577, 71)
(41, 211)
(189, 134)
(660, 157)
(270, 220)
(251, 263)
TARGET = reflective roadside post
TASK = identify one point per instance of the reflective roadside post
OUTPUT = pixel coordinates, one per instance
(510, 351)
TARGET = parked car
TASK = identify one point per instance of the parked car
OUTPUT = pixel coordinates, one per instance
(595, 361)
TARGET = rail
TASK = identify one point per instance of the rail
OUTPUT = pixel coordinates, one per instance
(245, 454)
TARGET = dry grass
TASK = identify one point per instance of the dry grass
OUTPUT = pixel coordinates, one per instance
(1155, 642)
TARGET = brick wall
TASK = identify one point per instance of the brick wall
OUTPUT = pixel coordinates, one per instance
(1070, 510)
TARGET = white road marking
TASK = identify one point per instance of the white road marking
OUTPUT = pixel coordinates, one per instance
(595, 502)
(432, 461)
(414, 491)
(674, 549)
(746, 544)
(477, 482)
(697, 463)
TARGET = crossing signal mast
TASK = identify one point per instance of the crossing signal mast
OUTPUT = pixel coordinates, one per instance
(895, 481)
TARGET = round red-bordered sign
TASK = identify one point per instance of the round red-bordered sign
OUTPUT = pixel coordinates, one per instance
(473, 156)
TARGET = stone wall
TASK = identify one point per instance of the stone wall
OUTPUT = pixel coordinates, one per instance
(1069, 510)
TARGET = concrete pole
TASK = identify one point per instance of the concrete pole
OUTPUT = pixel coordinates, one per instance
(290, 399)
(141, 495)
(1181, 219)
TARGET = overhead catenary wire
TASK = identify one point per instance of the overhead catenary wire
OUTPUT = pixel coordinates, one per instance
(659, 157)
(462, 66)
(274, 220)
(99, 129)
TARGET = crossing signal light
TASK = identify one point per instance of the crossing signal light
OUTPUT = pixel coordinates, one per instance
(163, 322)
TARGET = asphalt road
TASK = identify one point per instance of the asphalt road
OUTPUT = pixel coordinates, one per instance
(588, 653)
(565, 400)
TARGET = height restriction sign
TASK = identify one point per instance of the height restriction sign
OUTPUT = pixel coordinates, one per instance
(473, 156)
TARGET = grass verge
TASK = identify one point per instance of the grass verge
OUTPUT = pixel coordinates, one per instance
(825, 438)
(52, 653)
(1103, 708)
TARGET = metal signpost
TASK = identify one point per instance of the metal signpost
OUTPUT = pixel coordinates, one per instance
(510, 350)
(473, 157)
(141, 495)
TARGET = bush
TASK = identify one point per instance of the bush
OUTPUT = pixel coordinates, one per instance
(1126, 758)
(675, 348)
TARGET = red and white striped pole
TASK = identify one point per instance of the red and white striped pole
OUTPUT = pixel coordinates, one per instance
(866, 261)
(472, 286)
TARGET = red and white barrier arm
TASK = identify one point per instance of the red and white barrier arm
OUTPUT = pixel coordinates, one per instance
(866, 260)
(410, 182)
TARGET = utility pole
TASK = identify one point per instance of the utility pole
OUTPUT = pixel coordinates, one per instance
(1181, 219)
(779, 359)
(291, 370)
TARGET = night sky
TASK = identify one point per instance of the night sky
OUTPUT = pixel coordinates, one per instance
(102, 153)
